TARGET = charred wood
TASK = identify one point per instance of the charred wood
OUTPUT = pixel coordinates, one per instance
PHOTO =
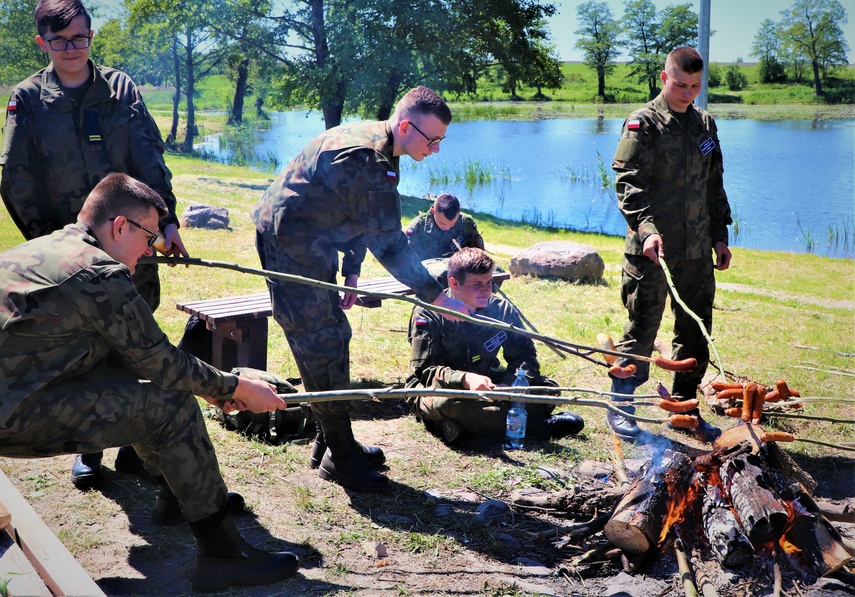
(727, 541)
(761, 513)
(587, 502)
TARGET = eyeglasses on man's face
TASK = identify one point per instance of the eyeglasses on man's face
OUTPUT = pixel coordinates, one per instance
(431, 140)
(60, 44)
(152, 236)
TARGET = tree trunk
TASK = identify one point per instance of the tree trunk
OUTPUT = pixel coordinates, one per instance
(639, 517)
(601, 82)
(176, 99)
(192, 131)
(236, 115)
(817, 81)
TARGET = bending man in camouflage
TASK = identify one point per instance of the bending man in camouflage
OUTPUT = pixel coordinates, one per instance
(669, 188)
(463, 355)
(67, 127)
(340, 194)
(84, 366)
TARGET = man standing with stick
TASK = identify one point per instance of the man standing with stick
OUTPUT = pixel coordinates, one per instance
(669, 188)
(340, 195)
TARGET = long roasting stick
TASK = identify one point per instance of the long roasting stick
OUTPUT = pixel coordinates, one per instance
(679, 301)
(485, 321)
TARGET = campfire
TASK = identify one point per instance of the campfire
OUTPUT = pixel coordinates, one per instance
(744, 505)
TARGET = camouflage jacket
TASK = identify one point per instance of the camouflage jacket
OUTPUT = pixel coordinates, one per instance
(442, 351)
(669, 181)
(64, 305)
(55, 151)
(429, 241)
(341, 194)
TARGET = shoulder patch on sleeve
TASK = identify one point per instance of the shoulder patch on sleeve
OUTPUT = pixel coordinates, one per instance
(627, 150)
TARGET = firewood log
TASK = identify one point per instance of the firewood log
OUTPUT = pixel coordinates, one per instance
(728, 543)
(638, 518)
(761, 512)
(586, 502)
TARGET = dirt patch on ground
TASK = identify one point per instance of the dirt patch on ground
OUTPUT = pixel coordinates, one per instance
(434, 543)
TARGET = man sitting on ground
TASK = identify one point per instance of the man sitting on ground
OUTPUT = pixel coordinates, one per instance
(443, 230)
(84, 367)
(464, 356)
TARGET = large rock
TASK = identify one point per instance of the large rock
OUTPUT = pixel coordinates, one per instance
(559, 259)
(205, 216)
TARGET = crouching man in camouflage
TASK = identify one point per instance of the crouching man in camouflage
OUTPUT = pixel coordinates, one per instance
(464, 356)
(84, 367)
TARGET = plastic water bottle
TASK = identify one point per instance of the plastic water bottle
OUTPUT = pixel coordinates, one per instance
(517, 417)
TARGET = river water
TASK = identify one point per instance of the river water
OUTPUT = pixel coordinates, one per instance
(791, 184)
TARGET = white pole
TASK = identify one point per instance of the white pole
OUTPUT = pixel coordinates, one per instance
(704, 49)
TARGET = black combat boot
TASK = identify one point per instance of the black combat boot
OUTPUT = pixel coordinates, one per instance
(625, 428)
(344, 462)
(86, 472)
(564, 424)
(167, 511)
(224, 559)
(129, 463)
(373, 455)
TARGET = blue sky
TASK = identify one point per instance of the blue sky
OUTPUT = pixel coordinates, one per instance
(735, 23)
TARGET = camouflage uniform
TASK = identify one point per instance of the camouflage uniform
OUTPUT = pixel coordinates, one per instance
(430, 241)
(669, 182)
(340, 194)
(443, 351)
(77, 344)
(55, 151)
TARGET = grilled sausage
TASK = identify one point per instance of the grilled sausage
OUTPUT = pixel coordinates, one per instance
(623, 372)
(683, 421)
(669, 365)
(748, 401)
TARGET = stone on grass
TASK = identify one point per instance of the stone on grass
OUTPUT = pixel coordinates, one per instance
(491, 510)
(205, 216)
(561, 259)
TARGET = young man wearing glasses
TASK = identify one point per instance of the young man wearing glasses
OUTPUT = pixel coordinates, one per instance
(67, 127)
(77, 343)
(340, 195)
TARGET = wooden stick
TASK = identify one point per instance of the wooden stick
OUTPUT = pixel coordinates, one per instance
(807, 417)
(685, 570)
(843, 354)
(718, 363)
(703, 581)
(486, 396)
(844, 373)
(570, 347)
(827, 444)
(620, 463)
(527, 322)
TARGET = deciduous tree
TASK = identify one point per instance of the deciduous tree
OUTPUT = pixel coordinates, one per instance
(599, 38)
(813, 26)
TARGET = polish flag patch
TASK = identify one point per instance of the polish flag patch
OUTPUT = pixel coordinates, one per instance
(633, 124)
(421, 321)
(391, 175)
(13, 105)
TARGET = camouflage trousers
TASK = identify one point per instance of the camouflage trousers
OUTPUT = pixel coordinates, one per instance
(147, 281)
(480, 418)
(317, 330)
(109, 408)
(644, 291)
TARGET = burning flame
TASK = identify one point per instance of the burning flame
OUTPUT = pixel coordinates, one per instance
(788, 547)
(681, 500)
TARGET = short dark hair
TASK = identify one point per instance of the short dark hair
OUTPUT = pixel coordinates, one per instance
(56, 15)
(120, 195)
(422, 100)
(686, 59)
(448, 205)
(469, 260)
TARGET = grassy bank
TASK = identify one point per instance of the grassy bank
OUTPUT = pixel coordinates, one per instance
(767, 305)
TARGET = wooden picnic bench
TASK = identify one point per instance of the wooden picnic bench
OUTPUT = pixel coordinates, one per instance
(32, 559)
(239, 323)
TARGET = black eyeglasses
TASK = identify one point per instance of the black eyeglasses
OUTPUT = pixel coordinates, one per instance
(60, 44)
(431, 141)
(152, 236)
